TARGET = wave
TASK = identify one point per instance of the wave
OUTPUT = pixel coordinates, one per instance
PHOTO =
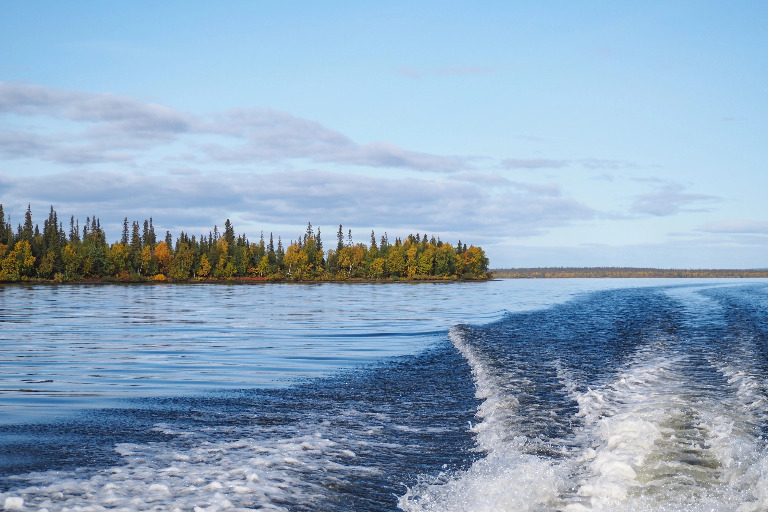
(679, 425)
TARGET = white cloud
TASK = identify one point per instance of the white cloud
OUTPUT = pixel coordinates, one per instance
(736, 227)
(551, 163)
(109, 128)
(668, 198)
(295, 197)
(534, 163)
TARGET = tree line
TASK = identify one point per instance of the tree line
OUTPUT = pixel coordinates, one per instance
(83, 253)
(621, 272)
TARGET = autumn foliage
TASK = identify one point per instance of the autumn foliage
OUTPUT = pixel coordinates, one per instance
(54, 254)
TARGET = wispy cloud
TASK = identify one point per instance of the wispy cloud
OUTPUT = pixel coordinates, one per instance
(465, 70)
(551, 163)
(409, 72)
(111, 113)
(534, 163)
(104, 128)
(669, 198)
(541, 189)
(599, 163)
(737, 227)
(442, 205)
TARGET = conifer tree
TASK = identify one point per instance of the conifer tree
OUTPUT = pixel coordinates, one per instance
(340, 236)
(229, 236)
(136, 248)
(280, 253)
(74, 230)
(6, 232)
(271, 257)
(28, 231)
(319, 246)
(124, 238)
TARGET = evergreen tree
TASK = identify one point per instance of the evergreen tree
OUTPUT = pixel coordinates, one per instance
(340, 236)
(74, 230)
(28, 231)
(136, 248)
(124, 238)
(229, 236)
(272, 258)
(280, 253)
(3, 226)
(51, 235)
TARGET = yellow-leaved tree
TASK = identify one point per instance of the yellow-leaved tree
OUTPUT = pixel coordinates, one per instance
(18, 263)
(163, 256)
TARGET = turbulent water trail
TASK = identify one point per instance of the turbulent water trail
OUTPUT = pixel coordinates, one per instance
(635, 400)
(345, 443)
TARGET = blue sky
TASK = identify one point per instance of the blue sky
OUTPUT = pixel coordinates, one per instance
(550, 133)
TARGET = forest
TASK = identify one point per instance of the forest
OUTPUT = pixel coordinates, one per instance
(54, 254)
(623, 272)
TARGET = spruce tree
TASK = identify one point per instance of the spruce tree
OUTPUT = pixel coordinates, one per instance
(229, 236)
(271, 250)
(124, 239)
(28, 231)
(280, 252)
(3, 226)
(340, 236)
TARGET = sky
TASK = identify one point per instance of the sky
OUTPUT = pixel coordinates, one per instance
(595, 133)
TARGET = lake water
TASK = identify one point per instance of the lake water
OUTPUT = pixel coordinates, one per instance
(505, 395)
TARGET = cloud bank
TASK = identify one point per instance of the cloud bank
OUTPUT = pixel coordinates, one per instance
(107, 128)
(668, 198)
(447, 206)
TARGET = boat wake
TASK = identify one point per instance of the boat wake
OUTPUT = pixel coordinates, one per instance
(678, 424)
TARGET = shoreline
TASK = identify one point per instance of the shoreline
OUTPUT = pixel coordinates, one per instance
(623, 273)
(239, 281)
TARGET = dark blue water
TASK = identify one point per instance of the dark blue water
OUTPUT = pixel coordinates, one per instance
(509, 395)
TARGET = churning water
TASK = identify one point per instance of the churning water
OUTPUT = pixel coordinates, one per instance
(547, 395)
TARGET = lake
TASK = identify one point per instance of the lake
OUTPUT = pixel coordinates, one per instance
(502, 395)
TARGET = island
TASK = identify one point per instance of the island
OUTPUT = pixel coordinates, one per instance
(54, 255)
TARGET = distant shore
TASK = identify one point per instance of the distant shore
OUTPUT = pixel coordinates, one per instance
(154, 280)
(621, 272)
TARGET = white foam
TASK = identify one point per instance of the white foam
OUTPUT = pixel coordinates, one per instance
(650, 439)
(233, 475)
(622, 424)
(13, 503)
(497, 411)
(506, 478)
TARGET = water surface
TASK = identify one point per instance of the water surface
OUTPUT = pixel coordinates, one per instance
(539, 395)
